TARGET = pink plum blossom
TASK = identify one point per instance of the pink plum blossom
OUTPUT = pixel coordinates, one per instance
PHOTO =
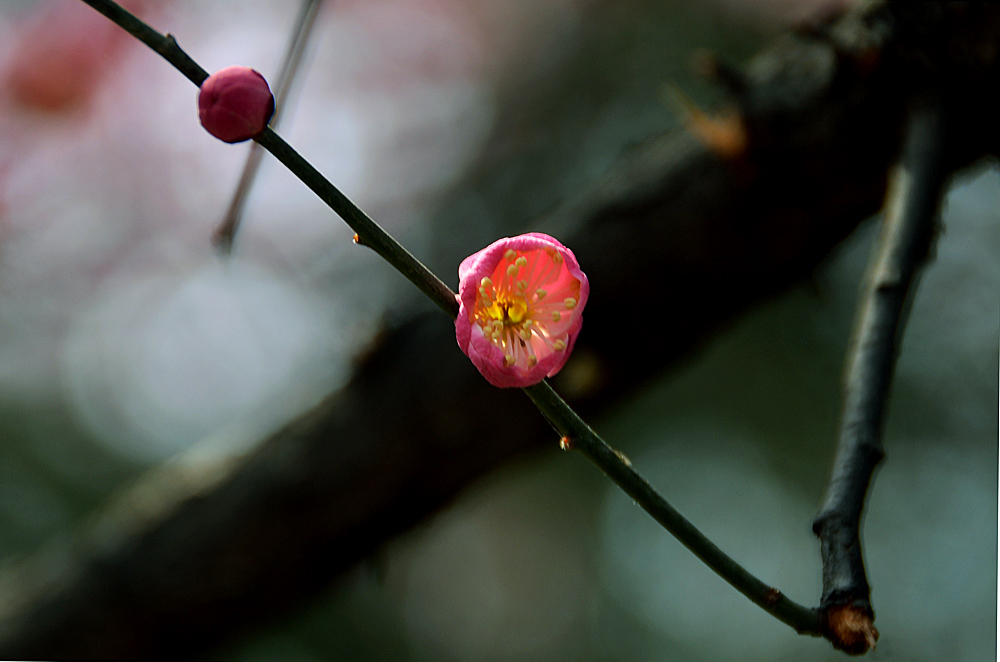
(520, 305)
(60, 51)
(235, 104)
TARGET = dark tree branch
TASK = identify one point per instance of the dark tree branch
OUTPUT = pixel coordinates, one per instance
(908, 233)
(165, 45)
(369, 233)
(197, 553)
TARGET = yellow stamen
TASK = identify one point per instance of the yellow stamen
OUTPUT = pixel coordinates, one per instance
(516, 310)
(512, 270)
(486, 282)
(532, 361)
(521, 261)
(509, 360)
(559, 345)
(540, 294)
(556, 316)
(509, 255)
(570, 303)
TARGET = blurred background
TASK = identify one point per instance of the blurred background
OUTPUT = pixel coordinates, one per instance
(125, 340)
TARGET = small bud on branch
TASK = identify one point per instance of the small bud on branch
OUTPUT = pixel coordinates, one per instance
(235, 104)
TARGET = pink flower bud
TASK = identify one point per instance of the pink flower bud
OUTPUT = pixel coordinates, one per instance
(235, 104)
(520, 305)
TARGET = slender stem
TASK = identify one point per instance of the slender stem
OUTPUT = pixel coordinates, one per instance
(370, 234)
(226, 232)
(562, 417)
(165, 45)
(617, 467)
(904, 245)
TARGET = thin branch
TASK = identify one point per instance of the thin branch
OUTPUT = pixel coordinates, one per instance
(578, 435)
(226, 232)
(565, 420)
(369, 233)
(165, 45)
(904, 245)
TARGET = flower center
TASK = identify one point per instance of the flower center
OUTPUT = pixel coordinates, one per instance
(511, 312)
(526, 306)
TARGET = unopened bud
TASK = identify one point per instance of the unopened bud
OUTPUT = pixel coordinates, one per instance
(235, 104)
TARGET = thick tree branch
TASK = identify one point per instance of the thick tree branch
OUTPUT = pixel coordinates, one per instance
(199, 553)
(904, 246)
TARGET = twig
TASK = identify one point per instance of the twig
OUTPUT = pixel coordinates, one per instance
(564, 419)
(578, 435)
(226, 232)
(904, 245)
(369, 233)
(165, 45)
